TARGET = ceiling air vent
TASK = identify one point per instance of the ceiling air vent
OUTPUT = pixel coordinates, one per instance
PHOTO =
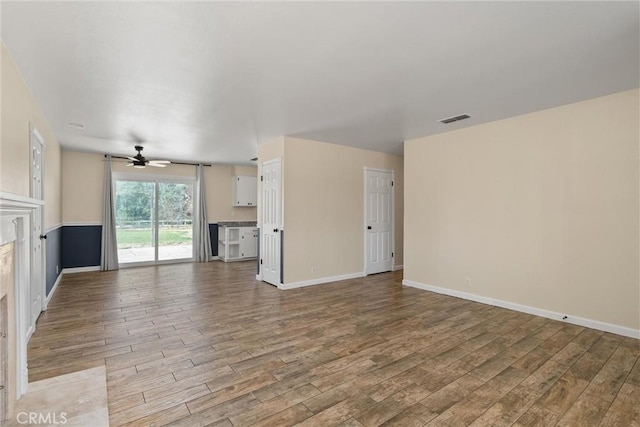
(454, 118)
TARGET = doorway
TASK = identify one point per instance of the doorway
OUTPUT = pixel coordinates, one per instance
(271, 219)
(154, 220)
(379, 220)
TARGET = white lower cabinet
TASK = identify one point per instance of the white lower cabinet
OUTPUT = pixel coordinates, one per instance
(237, 243)
(249, 242)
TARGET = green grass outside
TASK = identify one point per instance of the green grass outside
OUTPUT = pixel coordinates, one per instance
(136, 237)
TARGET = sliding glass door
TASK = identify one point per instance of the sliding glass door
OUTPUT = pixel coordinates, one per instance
(175, 225)
(135, 221)
(154, 220)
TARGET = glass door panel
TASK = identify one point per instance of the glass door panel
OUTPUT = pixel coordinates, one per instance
(175, 224)
(135, 221)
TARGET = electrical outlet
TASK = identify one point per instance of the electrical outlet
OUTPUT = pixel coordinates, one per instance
(313, 271)
(468, 282)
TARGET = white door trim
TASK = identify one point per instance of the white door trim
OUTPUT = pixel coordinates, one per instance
(393, 216)
(41, 263)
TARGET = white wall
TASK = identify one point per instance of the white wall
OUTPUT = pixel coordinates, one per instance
(539, 209)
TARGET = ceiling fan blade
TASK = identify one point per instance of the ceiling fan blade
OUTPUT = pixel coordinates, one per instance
(133, 159)
(129, 164)
(166, 162)
(157, 165)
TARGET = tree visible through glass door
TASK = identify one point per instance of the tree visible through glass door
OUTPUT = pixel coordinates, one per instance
(135, 218)
(175, 221)
(154, 221)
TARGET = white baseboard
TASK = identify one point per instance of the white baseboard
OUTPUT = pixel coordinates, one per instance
(321, 280)
(580, 321)
(53, 290)
(398, 267)
(81, 269)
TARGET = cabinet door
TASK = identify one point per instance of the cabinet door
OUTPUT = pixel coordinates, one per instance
(245, 191)
(249, 243)
(239, 196)
(253, 191)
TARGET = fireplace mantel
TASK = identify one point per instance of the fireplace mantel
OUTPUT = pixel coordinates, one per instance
(10, 200)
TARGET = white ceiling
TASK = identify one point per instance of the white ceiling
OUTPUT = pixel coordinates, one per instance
(209, 81)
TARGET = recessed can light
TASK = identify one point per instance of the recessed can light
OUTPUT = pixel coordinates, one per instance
(76, 125)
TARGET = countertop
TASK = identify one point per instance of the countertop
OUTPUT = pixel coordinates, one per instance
(237, 224)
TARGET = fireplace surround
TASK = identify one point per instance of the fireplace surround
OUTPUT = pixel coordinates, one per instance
(15, 277)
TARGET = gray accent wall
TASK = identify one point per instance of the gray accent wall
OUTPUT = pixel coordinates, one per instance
(258, 254)
(213, 233)
(53, 247)
(81, 245)
(282, 256)
(73, 246)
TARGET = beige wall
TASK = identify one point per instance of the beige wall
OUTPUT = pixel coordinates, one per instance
(271, 150)
(324, 208)
(539, 210)
(219, 189)
(245, 170)
(83, 174)
(82, 177)
(18, 110)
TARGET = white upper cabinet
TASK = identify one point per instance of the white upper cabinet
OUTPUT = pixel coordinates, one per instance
(245, 190)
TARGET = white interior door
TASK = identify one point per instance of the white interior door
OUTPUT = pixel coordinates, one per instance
(271, 222)
(37, 290)
(379, 221)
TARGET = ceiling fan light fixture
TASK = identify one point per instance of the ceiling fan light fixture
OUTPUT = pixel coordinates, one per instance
(140, 162)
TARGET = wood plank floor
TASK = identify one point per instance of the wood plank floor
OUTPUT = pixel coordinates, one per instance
(206, 344)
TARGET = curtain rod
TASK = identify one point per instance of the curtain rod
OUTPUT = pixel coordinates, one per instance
(172, 162)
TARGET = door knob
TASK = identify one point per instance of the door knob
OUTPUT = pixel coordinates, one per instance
(368, 227)
(275, 230)
(43, 236)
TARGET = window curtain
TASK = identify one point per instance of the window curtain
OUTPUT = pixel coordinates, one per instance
(109, 251)
(201, 237)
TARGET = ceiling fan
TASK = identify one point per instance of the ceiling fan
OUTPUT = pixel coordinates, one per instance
(139, 161)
